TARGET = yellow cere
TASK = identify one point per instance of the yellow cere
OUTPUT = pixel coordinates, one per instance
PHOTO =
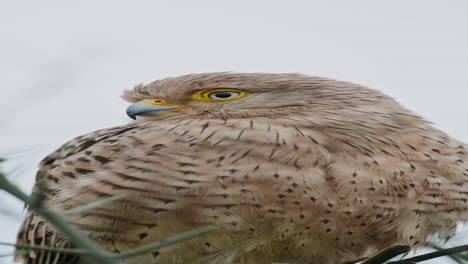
(219, 95)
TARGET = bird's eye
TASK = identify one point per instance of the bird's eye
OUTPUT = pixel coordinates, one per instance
(219, 95)
(223, 95)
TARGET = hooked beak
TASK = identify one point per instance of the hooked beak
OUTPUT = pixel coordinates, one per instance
(148, 107)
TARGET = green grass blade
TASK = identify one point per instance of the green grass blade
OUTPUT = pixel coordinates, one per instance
(387, 254)
(432, 255)
(16, 253)
(79, 239)
(170, 241)
(28, 248)
(90, 206)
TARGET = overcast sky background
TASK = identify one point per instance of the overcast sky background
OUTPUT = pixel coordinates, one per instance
(64, 65)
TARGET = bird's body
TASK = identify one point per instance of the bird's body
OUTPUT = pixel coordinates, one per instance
(301, 170)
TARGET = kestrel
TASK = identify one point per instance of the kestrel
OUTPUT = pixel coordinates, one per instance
(298, 169)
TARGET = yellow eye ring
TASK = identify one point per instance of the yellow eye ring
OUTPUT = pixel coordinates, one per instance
(219, 95)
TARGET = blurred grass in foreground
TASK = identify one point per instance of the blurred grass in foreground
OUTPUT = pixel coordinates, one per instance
(82, 244)
(87, 248)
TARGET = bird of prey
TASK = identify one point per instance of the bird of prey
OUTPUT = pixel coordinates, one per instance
(298, 169)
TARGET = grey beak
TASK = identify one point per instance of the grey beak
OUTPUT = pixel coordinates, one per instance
(143, 108)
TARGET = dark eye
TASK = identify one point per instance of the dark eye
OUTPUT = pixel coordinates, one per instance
(223, 95)
(219, 95)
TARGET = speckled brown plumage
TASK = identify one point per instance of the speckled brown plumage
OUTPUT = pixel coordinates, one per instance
(303, 170)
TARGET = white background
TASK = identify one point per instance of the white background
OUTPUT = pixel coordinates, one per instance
(64, 64)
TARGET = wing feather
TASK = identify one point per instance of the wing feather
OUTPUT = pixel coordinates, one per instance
(35, 230)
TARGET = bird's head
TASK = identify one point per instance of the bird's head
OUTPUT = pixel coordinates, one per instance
(250, 95)
(218, 94)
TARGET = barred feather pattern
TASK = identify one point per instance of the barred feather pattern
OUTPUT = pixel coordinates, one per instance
(306, 170)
